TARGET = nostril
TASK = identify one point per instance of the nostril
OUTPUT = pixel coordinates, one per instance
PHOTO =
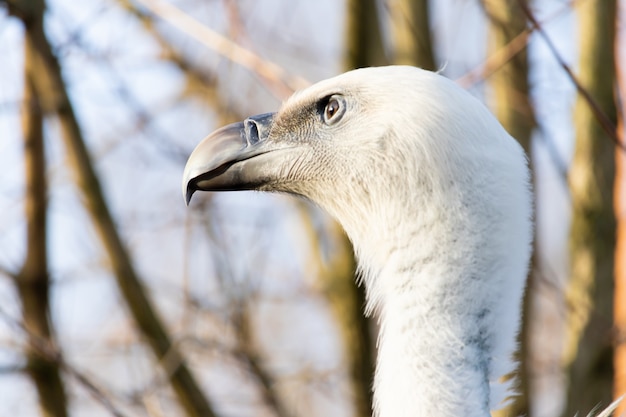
(256, 128)
(252, 132)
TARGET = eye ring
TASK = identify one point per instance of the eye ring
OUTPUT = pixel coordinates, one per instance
(334, 109)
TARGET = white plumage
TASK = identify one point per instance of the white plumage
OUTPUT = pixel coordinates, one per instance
(434, 195)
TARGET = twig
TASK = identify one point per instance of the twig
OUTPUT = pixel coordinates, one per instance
(495, 60)
(504, 54)
(605, 122)
(51, 353)
(277, 79)
(195, 75)
(8, 273)
(12, 369)
(247, 353)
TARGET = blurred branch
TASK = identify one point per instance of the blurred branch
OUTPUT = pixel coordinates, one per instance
(246, 353)
(32, 281)
(46, 349)
(244, 349)
(558, 161)
(505, 52)
(170, 52)
(495, 60)
(198, 80)
(12, 369)
(8, 273)
(276, 78)
(50, 86)
(603, 119)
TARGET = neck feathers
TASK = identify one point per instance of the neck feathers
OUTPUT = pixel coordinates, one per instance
(448, 291)
(440, 350)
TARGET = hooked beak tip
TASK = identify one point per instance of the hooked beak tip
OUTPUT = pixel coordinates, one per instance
(188, 192)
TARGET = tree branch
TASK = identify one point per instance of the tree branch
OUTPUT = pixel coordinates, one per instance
(276, 78)
(200, 82)
(247, 354)
(603, 119)
(47, 350)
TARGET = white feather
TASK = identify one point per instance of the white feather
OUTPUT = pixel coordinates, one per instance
(443, 239)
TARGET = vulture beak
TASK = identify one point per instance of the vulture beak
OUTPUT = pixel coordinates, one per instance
(227, 159)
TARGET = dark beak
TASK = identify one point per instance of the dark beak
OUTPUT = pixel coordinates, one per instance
(230, 158)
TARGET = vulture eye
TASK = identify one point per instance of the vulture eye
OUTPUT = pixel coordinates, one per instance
(334, 110)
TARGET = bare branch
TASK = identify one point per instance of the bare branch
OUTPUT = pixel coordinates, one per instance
(11, 369)
(46, 349)
(198, 80)
(246, 352)
(276, 78)
(8, 272)
(495, 61)
(603, 119)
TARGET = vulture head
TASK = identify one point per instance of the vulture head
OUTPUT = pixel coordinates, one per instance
(433, 194)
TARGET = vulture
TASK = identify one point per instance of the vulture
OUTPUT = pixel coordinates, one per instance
(434, 195)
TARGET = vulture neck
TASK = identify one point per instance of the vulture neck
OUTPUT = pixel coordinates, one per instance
(434, 293)
(432, 360)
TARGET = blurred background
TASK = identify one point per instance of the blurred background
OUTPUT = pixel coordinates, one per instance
(117, 300)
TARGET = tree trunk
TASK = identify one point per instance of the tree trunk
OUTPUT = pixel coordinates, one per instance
(510, 82)
(363, 35)
(410, 25)
(619, 358)
(32, 281)
(514, 110)
(588, 350)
